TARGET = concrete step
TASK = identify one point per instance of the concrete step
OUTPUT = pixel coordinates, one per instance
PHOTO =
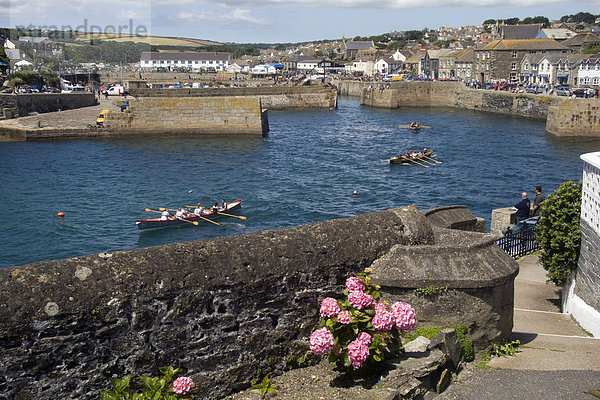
(551, 323)
(537, 296)
(544, 352)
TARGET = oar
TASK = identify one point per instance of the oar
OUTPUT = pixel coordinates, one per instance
(422, 165)
(425, 161)
(231, 215)
(181, 219)
(222, 213)
(433, 159)
(199, 216)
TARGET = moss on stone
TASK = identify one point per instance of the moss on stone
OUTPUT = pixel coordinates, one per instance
(466, 346)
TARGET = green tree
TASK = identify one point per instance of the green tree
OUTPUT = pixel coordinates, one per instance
(592, 48)
(511, 21)
(489, 22)
(558, 232)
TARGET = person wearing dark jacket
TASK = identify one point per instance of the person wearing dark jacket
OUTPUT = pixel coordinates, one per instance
(539, 197)
(523, 207)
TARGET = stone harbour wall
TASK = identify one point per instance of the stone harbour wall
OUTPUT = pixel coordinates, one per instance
(27, 103)
(223, 308)
(190, 116)
(574, 117)
(272, 98)
(564, 117)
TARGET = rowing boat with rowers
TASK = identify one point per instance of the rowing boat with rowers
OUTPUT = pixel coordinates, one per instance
(208, 214)
(407, 159)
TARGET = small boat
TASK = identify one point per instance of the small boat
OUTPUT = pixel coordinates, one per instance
(404, 159)
(156, 223)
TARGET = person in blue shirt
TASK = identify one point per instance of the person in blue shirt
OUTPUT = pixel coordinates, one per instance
(523, 207)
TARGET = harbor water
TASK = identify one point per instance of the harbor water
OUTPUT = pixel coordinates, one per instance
(305, 170)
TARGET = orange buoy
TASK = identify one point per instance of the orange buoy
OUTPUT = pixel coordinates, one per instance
(355, 192)
(60, 214)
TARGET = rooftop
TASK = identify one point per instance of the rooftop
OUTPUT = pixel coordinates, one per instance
(531, 44)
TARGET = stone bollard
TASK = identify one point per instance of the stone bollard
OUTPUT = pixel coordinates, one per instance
(502, 219)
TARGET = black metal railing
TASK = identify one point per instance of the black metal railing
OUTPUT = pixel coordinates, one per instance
(519, 243)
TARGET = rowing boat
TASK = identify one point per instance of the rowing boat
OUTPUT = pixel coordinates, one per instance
(156, 223)
(404, 159)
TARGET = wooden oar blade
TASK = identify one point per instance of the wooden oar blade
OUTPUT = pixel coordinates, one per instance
(231, 215)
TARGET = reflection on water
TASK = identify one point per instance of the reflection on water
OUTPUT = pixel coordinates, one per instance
(305, 170)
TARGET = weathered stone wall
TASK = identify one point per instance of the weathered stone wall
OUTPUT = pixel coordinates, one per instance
(574, 117)
(564, 117)
(588, 270)
(272, 98)
(455, 217)
(220, 309)
(190, 116)
(28, 103)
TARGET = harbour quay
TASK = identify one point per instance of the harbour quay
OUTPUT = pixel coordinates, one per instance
(172, 112)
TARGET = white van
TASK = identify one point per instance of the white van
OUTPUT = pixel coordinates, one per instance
(116, 90)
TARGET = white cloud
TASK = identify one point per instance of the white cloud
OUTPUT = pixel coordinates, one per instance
(400, 4)
(228, 15)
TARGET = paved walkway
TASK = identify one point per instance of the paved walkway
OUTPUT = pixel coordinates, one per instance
(557, 359)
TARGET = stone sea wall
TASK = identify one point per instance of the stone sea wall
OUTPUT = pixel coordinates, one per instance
(574, 117)
(221, 309)
(28, 103)
(190, 116)
(564, 117)
(272, 98)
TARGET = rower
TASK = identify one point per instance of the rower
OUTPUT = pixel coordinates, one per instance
(181, 213)
(165, 215)
(215, 208)
(414, 124)
(198, 210)
(413, 155)
(223, 205)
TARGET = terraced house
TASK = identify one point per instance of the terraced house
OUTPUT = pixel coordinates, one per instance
(587, 72)
(186, 60)
(542, 69)
(500, 60)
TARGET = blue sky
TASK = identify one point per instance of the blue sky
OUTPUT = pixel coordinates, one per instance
(251, 21)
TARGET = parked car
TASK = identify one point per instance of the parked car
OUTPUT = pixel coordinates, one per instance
(581, 92)
(534, 89)
(101, 116)
(562, 90)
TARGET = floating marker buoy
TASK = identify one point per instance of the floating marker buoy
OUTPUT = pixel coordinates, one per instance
(60, 214)
(355, 192)
(191, 191)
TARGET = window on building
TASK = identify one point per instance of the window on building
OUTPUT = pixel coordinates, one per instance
(596, 81)
(586, 81)
(513, 66)
(514, 54)
(526, 67)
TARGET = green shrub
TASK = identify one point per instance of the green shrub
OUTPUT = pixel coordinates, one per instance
(558, 232)
(466, 346)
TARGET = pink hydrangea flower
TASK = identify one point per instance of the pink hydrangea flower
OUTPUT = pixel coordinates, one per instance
(360, 300)
(183, 384)
(404, 316)
(383, 321)
(358, 352)
(365, 338)
(353, 284)
(379, 307)
(321, 341)
(329, 307)
(344, 317)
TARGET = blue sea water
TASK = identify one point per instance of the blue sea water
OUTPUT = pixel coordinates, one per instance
(304, 171)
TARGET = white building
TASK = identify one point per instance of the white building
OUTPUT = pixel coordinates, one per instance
(581, 294)
(309, 64)
(386, 66)
(188, 60)
(587, 72)
(264, 69)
